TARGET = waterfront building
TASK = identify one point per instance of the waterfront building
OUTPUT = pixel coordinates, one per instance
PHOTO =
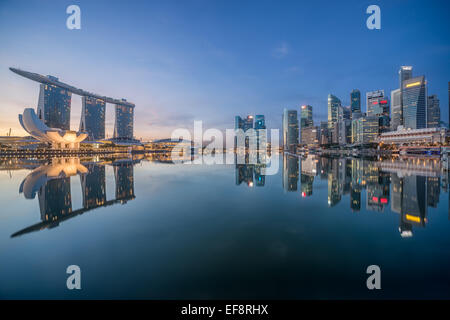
(93, 118)
(414, 103)
(355, 101)
(366, 129)
(54, 105)
(433, 112)
(54, 110)
(414, 136)
(290, 130)
(57, 138)
(397, 110)
(123, 126)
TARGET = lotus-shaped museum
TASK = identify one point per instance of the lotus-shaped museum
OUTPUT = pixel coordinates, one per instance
(60, 139)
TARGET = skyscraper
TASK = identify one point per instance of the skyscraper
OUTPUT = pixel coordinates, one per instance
(260, 122)
(334, 106)
(238, 123)
(397, 112)
(433, 112)
(378, 105)
(405, 73)
(306, 117)
(290, 130)
(93, 117)
(414, 103)
(248, 123)
(261, 134)
(54, 105)
(355, 101)
(123, 127)
(333, 110)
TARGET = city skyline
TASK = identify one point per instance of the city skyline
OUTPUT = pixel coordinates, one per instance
(173, 88)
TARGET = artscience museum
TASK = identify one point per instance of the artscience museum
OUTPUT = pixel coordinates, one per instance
(58, 138)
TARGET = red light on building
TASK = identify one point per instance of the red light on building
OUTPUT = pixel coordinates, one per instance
(375, 102)
(303, 194)
(383, 200)
(383, 101)
(375, 199)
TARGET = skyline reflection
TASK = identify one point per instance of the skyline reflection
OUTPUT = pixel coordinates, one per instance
(404, 186)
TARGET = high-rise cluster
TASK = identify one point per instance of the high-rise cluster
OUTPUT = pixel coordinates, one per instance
(408, 108)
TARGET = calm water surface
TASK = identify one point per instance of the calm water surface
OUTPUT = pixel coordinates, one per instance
(147, 228)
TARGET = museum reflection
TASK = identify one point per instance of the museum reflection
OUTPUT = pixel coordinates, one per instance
(406, 186)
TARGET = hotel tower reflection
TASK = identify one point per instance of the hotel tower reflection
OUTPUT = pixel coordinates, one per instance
(51, 182)
(405, 186)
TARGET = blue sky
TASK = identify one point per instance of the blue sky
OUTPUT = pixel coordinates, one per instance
(181, 61)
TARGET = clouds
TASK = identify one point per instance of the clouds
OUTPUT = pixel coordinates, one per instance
(282, 50)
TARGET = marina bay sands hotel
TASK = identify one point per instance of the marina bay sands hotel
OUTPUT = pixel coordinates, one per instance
(54, 111)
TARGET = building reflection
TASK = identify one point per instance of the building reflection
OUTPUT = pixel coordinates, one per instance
(52, 183)
(406, 186)
(290, 173)
(248, 173)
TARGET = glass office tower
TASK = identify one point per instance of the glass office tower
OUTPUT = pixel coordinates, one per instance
(433, 112)
(333, 110)
(355, 101)
(397, 112)
(405, 73)
(93, 118)
(54, 106)
(414, 103)
(290, 130)
(306, 117)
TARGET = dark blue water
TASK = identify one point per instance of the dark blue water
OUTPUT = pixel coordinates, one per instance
(149, 229)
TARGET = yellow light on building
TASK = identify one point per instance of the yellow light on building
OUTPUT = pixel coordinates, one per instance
(412, 218)
(413, 84)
